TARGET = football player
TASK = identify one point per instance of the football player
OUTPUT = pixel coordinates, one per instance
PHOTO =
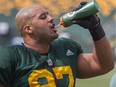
(44, 60)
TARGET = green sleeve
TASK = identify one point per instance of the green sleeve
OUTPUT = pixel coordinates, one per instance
(72, 44)
(6, 65)
(76, 45)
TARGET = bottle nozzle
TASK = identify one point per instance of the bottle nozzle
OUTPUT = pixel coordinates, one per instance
(62, 22)
(60, 28)
(57, 26)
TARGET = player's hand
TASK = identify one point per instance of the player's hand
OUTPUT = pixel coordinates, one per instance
(79, 6)
(86, 22)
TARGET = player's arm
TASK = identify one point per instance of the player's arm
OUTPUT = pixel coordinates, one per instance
(97, 63)
(101, 60)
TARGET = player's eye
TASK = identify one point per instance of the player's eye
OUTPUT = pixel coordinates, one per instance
(43, 16)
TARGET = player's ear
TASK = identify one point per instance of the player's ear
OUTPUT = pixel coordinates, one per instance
(28, 29)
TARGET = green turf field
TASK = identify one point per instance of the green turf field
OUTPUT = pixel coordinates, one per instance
(100, 81)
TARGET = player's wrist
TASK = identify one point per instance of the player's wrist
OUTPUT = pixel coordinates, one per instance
(97, 32)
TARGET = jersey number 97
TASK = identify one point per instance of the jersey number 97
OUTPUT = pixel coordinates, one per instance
(44, 73)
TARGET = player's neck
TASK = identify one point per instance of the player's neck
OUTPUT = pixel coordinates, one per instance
(40, 48)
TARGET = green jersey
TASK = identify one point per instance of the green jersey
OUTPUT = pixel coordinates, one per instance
(23, 67)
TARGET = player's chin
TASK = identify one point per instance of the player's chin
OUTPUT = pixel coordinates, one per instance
(55, 35)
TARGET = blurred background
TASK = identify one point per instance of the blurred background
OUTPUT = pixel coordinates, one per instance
(10, 36)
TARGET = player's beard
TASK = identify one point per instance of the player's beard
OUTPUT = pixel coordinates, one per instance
(44, 38)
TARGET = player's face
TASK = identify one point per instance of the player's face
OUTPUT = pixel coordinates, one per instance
(43, 25)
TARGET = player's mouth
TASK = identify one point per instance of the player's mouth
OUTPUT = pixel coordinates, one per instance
(52, 28)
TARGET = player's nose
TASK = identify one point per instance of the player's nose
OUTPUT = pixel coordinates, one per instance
(50, 18)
